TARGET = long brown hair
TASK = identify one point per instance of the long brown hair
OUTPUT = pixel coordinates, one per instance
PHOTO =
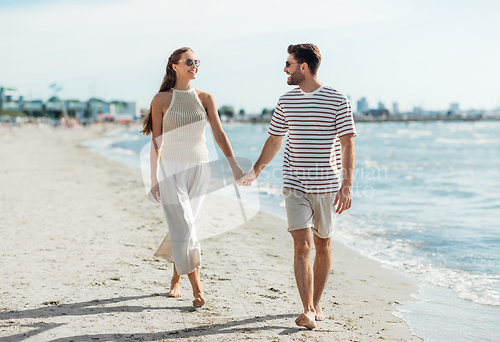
(167, 84)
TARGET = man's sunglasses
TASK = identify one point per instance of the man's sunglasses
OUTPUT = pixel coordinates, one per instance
(190, 62)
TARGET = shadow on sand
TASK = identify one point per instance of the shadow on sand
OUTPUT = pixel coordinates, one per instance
(90, 308)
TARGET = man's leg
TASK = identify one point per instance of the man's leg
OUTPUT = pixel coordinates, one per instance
(322, 265)
(304, 276)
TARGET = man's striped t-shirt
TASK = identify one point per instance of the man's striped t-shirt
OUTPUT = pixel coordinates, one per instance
(314, 122)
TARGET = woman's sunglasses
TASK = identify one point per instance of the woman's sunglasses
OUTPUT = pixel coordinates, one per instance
(190, 62)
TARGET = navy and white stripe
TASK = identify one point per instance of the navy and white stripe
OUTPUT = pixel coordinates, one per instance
(314, 122)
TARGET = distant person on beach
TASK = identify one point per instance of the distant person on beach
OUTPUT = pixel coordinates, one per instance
(177, 118)
(319, 148)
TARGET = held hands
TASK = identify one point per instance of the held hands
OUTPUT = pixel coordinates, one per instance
(236, 168)
(343, 200)
(247, 178)
(237, 173)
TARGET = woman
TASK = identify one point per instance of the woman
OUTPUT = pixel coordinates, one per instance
(177, 119)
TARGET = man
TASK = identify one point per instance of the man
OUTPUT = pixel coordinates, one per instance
(320, 127)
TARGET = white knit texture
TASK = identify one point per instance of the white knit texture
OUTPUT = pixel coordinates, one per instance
(184, 128)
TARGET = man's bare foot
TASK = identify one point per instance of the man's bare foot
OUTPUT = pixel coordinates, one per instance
(319, 316)
(175, 288)
(306, 321)
(198, 300)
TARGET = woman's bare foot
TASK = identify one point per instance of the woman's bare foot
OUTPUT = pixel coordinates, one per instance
(319, 316)
(199, 300)
(306, 321)
(175, 290)
(175, 286)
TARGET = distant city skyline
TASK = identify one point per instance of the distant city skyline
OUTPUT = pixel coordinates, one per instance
(422, 54)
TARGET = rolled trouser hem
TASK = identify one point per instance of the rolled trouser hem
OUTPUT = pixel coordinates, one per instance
(180, 272)
(294, 228)
(326, 236)
(291, 229)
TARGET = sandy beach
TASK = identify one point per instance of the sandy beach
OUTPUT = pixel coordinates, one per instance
(76, 256)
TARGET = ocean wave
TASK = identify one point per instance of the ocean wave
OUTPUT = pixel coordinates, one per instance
(130, 137)
(125, 151)
(418, 259)
(269, 189)
(407, 133)
(466, 141)
(478, 288)
(413, 133)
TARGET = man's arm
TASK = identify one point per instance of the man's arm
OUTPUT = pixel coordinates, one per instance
(343, 200)
(270, 150)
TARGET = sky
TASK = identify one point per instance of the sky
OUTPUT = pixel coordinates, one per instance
(422, 53)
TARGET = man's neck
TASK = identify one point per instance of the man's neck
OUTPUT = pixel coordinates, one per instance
(309, 85)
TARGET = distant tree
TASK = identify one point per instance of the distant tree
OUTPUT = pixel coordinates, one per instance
(96, 100)
(226, 110)
(267, 111)
(242, 112)
(54, 99)
(120, 103)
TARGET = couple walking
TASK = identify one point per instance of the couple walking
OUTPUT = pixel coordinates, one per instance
(317, 171)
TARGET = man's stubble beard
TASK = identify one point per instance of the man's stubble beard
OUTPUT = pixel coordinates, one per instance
(295, 78)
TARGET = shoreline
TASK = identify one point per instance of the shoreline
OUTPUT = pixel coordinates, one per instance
(378, 120)
(78, 264)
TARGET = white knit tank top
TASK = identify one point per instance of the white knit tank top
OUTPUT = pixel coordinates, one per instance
(184, 128)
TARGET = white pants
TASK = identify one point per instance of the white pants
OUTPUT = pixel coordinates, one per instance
(183, 186)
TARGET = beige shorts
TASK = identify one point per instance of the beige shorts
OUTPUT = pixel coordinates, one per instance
(314, 211)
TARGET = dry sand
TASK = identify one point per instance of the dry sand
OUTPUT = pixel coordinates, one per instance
(76, 258)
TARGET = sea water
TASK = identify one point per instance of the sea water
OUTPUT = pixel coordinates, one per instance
(426, 201)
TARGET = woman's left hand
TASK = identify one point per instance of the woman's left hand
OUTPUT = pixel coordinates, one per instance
(237, 173)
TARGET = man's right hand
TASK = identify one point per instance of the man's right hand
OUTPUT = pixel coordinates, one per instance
(343, 199)
(247, 178)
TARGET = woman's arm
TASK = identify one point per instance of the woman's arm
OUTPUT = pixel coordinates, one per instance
(218, 132)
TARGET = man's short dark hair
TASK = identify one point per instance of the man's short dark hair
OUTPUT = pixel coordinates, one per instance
(306, 53)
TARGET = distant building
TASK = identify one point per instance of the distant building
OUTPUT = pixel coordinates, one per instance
(11, 99)
(76, 109)
(56, 108)
(454, 111)
(363, 105)
(96, 106)
(381, 106)
(379, 114)
(454, 107)
(418, 110)
(125, 110)
(395, 108)
(33, 108)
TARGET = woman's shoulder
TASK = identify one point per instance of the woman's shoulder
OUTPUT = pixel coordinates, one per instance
(163, 97)
(204, 96)
(161, 102)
